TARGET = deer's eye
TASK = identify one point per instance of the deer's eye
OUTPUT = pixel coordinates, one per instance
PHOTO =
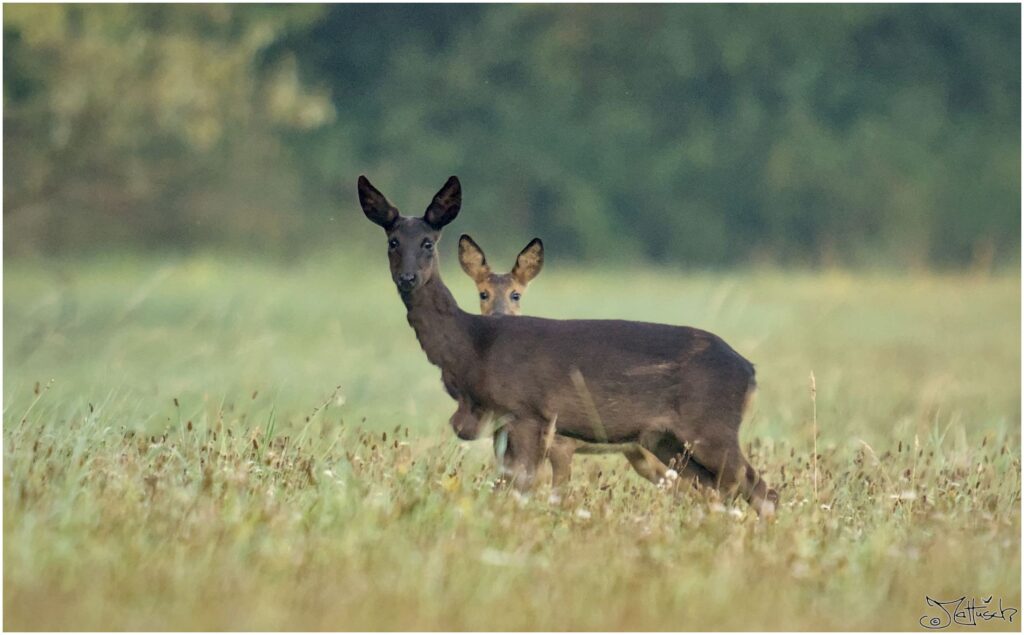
(428, 244)
(515, 296)
(393, 243)
(484, 295)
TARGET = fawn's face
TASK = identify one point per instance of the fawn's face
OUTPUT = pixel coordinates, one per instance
(500, 293)
(412, 241)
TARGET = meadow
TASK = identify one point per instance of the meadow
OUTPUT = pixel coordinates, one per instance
(222, 442)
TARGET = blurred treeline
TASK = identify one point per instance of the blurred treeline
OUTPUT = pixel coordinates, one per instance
(711, 135)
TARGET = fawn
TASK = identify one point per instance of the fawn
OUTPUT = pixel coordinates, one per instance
(500, 294)
(678, 391)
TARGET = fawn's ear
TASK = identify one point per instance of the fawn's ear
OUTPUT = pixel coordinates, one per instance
(375, 206)
(472, 259)
(529, 262)
(445, 206)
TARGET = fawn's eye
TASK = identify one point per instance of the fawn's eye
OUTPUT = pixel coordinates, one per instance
(428, 244)
(515, 296)
(484, 295)
(393, 243)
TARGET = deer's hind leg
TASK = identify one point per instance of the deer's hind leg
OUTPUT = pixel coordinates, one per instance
(673, 454)
(646, 464)
(714, 444)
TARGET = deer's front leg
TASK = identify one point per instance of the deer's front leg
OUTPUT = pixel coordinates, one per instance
(560, 456)
(524, 452)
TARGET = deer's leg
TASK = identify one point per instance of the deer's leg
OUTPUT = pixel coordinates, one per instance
(646, 464)
(718, 448)
(524, 452)
(674, 454)
(560, 456)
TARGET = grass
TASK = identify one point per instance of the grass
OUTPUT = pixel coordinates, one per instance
(219, 443)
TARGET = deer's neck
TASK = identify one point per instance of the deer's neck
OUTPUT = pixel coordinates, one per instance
(441, 327)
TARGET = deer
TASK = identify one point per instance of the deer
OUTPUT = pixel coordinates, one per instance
(501, 294)
(679, 391)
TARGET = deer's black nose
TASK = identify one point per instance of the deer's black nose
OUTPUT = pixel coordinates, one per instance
(406, 281)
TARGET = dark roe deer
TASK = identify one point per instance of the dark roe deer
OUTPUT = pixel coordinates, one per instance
(678, 391)
(500, 294)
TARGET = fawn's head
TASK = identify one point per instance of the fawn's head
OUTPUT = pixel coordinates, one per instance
(412, 241)
(500, 292)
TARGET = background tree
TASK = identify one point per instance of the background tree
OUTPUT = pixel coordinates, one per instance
(677, 133)
(151, 125)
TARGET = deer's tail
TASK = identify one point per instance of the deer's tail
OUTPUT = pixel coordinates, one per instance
(748, 398)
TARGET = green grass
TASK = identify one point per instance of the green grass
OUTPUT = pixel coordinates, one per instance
(216, 443)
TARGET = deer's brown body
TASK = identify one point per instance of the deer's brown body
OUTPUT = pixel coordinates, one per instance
(501, 294)
(669, 388)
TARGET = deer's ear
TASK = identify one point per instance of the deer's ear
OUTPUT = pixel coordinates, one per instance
(472, 259)
(375, 206)
(529, 262)
(446, 204)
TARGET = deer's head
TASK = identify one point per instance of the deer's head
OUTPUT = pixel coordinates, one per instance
(412, 241)
(500, 292)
